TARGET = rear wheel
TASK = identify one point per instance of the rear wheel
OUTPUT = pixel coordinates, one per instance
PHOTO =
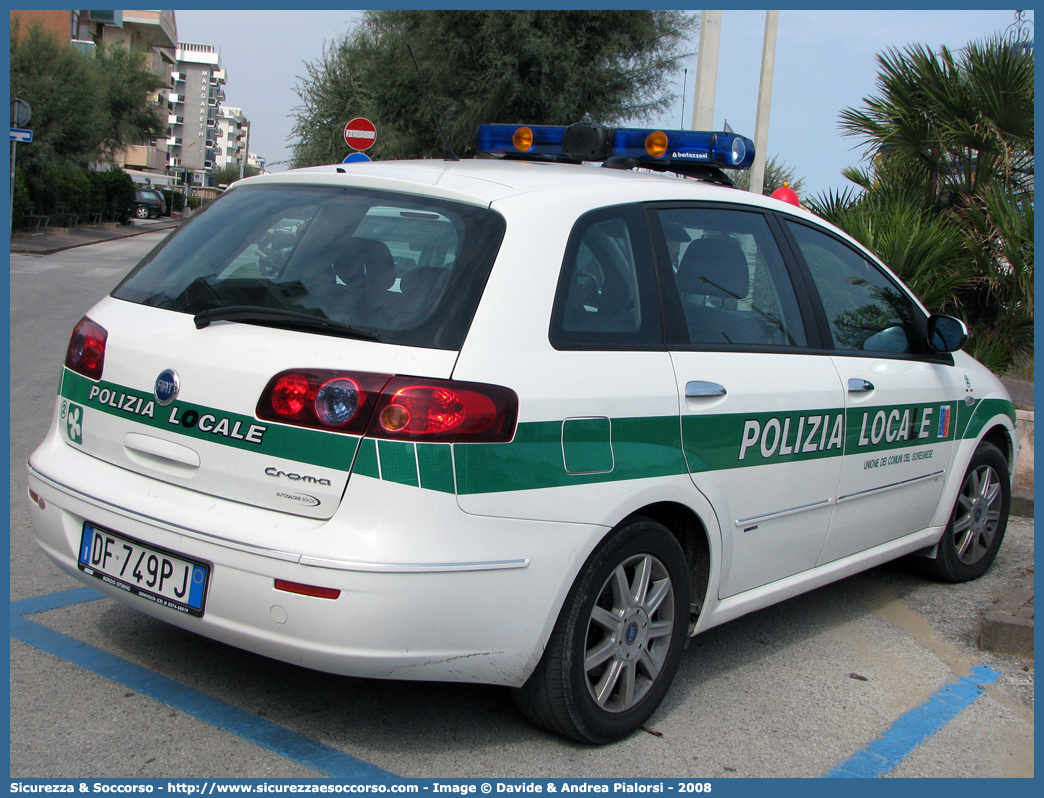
(142, 212)
(618, 640)
(978, 521)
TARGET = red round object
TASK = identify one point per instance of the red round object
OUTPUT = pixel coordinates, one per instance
(360, 133)
(786, 194)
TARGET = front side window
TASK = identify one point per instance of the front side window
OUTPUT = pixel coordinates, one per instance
(730, 278)
(404, 269)
(865, 310)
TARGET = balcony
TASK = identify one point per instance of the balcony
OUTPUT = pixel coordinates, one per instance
(148, 159)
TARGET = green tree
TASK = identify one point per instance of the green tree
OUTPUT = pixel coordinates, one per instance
(229, 174)
(947, 186)
(129, 89)
(776, 174)
(64, 90)
(539, 67)
(85, 109)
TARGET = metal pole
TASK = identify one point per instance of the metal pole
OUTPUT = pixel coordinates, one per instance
(13, 145)
(768, 60)
(246, 153)
(706, 71)
(685, 83)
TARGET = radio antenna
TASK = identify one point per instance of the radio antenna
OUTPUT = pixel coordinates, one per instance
(450, 155)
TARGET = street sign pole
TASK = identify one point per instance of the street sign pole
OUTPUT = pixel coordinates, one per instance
(21, 115)
(11, 209)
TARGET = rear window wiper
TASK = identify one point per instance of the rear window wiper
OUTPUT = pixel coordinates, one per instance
(289, 318)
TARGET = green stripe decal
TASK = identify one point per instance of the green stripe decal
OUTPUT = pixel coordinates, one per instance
(331, 450)
(552, 454)
(398, 462)
(642, 448)
(972, 419)
(435, 461)
(366, 459)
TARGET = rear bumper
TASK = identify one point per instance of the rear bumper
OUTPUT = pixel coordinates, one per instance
(427, 591)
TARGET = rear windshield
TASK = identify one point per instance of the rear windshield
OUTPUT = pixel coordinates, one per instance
(408, 269)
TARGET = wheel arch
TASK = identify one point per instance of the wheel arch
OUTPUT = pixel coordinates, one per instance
(1000, 437)
(693, 537)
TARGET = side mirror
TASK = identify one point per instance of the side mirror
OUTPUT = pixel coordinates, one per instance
(946, 334)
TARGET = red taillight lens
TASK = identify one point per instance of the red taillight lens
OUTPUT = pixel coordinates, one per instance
(400, 408)
(86, 352)
(322, 398)
(444, 411)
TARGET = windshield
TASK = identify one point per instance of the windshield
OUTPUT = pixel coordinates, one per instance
(408, 270)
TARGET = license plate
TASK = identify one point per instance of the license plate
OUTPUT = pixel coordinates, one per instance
(161, 576)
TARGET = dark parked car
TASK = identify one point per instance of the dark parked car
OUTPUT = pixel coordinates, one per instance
(148, 203)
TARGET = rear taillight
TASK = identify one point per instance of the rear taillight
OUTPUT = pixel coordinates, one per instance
(400, 408)
(322, 399)
(86, 352)
(444, 411)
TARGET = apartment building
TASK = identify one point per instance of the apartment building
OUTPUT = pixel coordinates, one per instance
(194, 108)
(233, 136)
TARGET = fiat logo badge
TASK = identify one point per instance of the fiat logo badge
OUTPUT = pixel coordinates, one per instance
(167, 386)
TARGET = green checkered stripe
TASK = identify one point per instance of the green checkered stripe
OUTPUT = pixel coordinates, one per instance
(640, 448)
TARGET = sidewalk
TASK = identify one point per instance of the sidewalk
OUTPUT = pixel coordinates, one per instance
(1007, 626)
(55, 240)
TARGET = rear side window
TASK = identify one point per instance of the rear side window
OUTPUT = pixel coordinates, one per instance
(406, 268)
(607, 290)
(865, 310)
(731, 280)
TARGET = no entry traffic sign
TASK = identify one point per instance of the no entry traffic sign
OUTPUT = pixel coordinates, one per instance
(360, 133)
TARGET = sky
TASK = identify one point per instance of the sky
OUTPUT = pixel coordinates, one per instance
(825, 62)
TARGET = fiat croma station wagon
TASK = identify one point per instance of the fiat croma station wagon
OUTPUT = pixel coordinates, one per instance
(519, 421)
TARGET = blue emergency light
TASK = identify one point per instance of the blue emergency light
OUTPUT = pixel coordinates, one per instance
(665, 150)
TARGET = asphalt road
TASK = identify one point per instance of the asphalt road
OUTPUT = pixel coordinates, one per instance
(795, 690)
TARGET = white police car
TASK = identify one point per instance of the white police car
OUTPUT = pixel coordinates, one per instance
(510, 421)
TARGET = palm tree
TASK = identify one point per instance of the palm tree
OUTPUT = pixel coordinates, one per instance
(947, 186)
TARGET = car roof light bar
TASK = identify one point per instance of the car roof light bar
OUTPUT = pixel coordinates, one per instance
(663, 150)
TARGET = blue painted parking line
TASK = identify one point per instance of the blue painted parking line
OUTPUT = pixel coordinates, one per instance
(915, 727)
(295, 747)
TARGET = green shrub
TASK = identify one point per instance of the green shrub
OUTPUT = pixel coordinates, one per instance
(20, 200)
(65, 184)
(174, 201)
(119, 192)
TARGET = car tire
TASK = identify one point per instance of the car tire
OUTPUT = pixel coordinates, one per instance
(142, 212)
(618, 640)
(978, 520)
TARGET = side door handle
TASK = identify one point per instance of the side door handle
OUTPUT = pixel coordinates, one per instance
(858, 385)
(698, 389)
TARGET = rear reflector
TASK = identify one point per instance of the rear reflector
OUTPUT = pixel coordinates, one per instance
(36, 499)
(307, 590)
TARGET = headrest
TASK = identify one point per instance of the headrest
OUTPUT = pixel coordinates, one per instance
(714, 267)
(364, 261)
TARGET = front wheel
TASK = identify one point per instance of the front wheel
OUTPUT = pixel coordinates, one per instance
(978, 521)
(618, 640)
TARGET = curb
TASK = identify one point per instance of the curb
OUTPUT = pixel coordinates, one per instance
(71, 240)
(1007, 627)
(1022, 504)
